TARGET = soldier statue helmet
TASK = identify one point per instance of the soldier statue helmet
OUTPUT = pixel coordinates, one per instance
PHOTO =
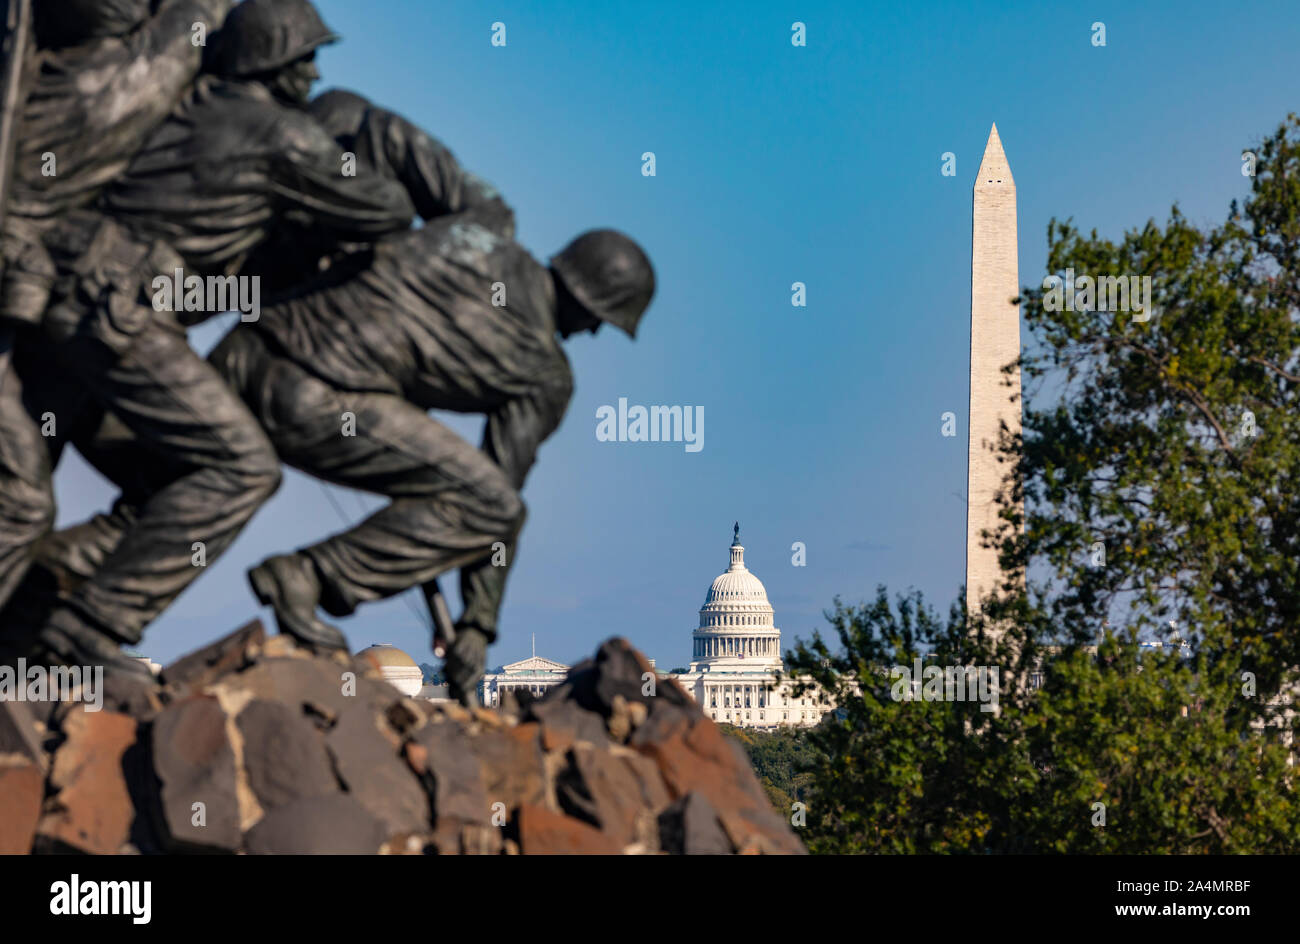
(608, 276)
(267, 38)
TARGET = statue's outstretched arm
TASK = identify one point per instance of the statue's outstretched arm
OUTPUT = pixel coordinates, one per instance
(437, 183)
(313, 189)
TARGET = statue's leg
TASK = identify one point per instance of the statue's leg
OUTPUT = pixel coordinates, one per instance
(26, 494)
(451, 503)
(219, 468)
(67, 557)
(61, 559)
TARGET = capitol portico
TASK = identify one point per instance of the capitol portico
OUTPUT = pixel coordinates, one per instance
(737, 653)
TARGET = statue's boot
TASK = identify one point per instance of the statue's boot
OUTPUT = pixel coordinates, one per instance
(463, 668)
(288, 583)
(126, 685)
(67, 640)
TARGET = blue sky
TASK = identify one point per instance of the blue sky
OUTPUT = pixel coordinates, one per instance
(775, 164)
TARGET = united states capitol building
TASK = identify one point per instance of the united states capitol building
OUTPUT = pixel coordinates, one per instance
(736, 653)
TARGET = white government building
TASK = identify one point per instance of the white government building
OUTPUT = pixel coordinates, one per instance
(736, 653)
(534, 675)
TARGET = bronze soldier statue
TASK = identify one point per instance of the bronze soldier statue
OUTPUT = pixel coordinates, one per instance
(246, 177)
(241, 141)
(237, 154)
(96, 78)
(241, 154)
(454, 316)
(382, 143)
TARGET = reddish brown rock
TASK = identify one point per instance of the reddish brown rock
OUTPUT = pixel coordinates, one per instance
(91, 808)
(619, 670)
(321, 685)
(565, 722)
(20, 734)
(511, 762)
(542, 832)
(308, 754)
(608, 792)
(22, 786)
(700, 759)
(654, 792)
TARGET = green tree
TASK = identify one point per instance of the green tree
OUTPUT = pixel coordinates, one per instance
(890, 775)
(1173, 444)
(1157, 468)
(1119, 750)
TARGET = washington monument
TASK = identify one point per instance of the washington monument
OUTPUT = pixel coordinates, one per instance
(994, 343)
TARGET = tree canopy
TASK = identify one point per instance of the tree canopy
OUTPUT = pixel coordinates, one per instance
(1157, 468)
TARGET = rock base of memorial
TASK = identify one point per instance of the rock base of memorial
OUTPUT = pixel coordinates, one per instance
(255, 745)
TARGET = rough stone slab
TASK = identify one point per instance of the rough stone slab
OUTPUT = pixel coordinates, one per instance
(91, 809)
(328, 825)
(565, 722)
(601, 789)
(20, 734)
(371, 770)
(195, 763)
(227, 654)
(662, 724)
(314, 685)
(701, 759)
(543, 832)
(691, 826)
(654, 792)
(511, 761)
(305, 768)
(22, 787)
(121, 693)
(442, 755)
(284, 755)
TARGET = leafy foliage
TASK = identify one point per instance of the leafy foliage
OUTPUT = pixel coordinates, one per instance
(779, 758)
(1157, 474)
(1158, 739)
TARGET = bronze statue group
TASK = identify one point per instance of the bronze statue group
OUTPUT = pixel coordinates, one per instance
(133, 150)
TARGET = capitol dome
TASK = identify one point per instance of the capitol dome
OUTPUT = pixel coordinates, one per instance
(395, 666)
(736, 621)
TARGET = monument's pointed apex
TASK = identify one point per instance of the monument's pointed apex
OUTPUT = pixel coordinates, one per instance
(994, 169)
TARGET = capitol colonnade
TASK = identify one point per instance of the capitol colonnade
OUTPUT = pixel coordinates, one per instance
(736, 655)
